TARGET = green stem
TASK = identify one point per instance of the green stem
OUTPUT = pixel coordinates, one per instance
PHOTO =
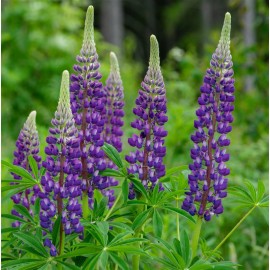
(177, 220)
(112, 208)
(136, 258)
(196, 236)
(234, 228)
(85, 206)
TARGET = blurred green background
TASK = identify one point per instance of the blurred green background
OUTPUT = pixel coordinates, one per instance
(41, 38)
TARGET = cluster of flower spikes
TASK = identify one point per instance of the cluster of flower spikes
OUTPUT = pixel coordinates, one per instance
(113, 123)
(147, 160)
(88, 99)
(207, 180)
(27, 144)
(61, 183)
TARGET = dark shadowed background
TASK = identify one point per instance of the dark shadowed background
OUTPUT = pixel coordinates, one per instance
(41, 38)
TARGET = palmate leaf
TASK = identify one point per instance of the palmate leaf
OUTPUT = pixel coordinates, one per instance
(112, 173)
(66, 265)
(13, 218)
(112, 154)
(91, 262)
(121, 225)
(125, 191)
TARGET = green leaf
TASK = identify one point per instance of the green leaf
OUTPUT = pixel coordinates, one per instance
(100, 207)
(37, 207)
(118, 238)
(33, 165)
(127, 249)
(19, 171)
(91, 262)
(8, 230)
(68, 266)
(125, 191)
(261, 190)
(82, 251)
(23, 211)
(180, 212)
(112, 173)
(112, 154)
(56, 230)
(118, 261)
(103, 259)
(19, 262)
(121, 225)
(140, 219)
(127, 241)
(33, 242)
(136, 202)
(155, 194)
(157, 223)
(13, 218)
(17, 188)
(251, 190)
(185, 248)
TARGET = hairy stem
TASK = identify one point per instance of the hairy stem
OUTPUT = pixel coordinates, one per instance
(196, 236)
(177, 220)
(234, 228)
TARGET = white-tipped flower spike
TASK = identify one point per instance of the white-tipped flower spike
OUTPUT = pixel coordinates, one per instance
(27, 144)
(113, 121)
(61, 183)
(208, 178)
(147, 159)
(153, 81)
(88, 101)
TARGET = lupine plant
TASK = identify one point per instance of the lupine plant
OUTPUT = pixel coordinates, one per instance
(65, 214)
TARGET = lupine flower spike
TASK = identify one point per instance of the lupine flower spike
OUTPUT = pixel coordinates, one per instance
(61, 183)
(115, 113)
(27, 144)
(208, 178)
(147, 160)
(88, 107)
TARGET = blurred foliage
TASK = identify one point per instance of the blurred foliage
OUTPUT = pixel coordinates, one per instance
(41, 38)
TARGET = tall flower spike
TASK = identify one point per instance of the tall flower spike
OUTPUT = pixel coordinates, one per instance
(88, 100)
(147, 160)
(208, 178)
(27, 144)
(61, 183)
(115, 104)
(113, 122)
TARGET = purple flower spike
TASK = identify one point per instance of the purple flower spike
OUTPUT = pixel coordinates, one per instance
(27, 144)
(114, 104)
(147, 160)
(88, 100)
(207, 181)
(61, 183)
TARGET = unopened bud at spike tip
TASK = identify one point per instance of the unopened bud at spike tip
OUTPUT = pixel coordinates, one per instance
(154, 53)
(114, 65)
(88, 40)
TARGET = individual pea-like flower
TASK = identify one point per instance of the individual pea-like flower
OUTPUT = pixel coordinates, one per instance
(27, 144)
(147, 160)
(88, 100)
(61, 183)
(208, 178)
